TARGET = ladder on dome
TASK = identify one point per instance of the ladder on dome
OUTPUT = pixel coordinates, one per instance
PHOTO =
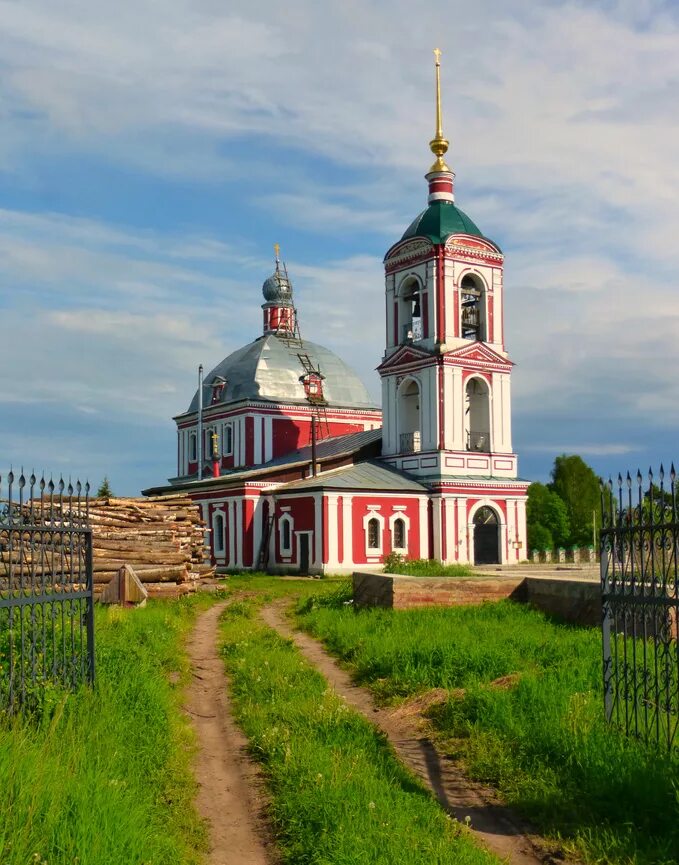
(263, 558)
(318, 402)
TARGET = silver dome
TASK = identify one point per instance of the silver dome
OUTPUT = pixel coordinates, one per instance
(277, 288)
(269, 369)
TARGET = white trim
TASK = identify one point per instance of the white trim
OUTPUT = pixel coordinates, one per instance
(332, 529)
(317, 550)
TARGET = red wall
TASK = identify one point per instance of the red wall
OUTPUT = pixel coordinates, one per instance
(303, 512)
(360, 511)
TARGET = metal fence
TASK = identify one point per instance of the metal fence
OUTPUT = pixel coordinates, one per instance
(46, 590)
(640, 594)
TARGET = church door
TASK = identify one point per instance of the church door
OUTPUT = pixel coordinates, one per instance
(486, 537)
(303, 541)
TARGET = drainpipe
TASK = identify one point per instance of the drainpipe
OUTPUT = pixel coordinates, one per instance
(200, 423)
(314, 469)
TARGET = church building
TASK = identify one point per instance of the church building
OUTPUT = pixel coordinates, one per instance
(296, 468)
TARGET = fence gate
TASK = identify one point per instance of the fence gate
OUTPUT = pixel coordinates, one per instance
(640, 595)
(46, 597)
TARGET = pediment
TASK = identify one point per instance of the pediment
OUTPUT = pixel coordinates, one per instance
(409, 249)
(403, 356)
(465, 241)
(478, 352)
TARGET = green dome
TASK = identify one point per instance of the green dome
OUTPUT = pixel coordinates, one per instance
(439, 221)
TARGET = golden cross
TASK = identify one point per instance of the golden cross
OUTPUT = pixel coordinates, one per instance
(277, 250)
(437, 55)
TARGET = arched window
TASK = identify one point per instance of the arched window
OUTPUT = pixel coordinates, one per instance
(193, 447)
(218, 533)
(285, 529)
(472, 308)
(374, 534)
(227, 439)
(399, 534)
(477, 415)
(410, 311)
(409, 417)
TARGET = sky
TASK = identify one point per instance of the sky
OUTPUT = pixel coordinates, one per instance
(152, 152)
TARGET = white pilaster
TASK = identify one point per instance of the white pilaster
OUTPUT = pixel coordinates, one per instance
(347, 533)
(424, 528)
(318, 529)
(257, 455)
(333, 526)
(462, 531)
(238, 507)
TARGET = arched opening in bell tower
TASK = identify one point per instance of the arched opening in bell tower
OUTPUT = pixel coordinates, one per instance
(472, 308)
(410, 311)
(409, 423)
(477, 415)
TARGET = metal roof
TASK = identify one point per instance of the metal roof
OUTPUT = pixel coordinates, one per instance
(351, 444)
(368, 475)
(269, 369)
(440, 220)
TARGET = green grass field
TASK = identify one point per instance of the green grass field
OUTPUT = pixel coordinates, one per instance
(103, 777)
(338, 795)
(543, 741)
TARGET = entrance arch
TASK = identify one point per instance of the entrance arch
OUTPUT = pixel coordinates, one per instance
(486, 537)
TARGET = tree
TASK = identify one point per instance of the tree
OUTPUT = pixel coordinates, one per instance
(104, 491)
(578, 486)
(547, 518)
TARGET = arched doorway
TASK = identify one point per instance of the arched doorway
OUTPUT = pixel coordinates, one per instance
(486, 537)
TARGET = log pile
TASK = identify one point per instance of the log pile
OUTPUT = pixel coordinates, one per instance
(162, 538)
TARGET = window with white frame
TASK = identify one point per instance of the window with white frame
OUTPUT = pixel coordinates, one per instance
(218, 526)
(285, 524)
(373, 528)
(227, 439)
(399, 526)
(398, 534)
(193, 447)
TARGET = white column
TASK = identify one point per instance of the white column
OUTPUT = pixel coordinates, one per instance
(256, 526)
(241, 434)
(462, 531)
(424, 528)
(521, 535)
(333, 527)
(257, 451)
(451, 536)
(238, 507)
(232, 533)
(318, 529)
(458, 439)
(347, 533)
(496, 408)
(268, 438)
(437, 526)
(506, 413)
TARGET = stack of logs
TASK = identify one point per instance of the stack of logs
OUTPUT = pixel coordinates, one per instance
(162, 538)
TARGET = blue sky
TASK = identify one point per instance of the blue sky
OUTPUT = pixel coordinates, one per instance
(152, 153)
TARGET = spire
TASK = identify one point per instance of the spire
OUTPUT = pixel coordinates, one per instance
(438, 144)
(440, 177)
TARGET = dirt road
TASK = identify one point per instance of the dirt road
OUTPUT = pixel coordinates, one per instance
(229, 796)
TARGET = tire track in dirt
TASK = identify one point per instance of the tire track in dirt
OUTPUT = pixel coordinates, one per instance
(496, 826)
(229, 796)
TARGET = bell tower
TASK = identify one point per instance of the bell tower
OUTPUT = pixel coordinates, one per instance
(445, 372)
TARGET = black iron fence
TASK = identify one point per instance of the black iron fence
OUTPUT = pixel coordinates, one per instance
(640, 594)
(46, 597)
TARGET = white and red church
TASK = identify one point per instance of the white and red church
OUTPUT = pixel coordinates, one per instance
(295, 467)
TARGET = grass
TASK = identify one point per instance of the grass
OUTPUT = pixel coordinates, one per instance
(542, 742)
(338, 795)
(103, 777)
(395, 563)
